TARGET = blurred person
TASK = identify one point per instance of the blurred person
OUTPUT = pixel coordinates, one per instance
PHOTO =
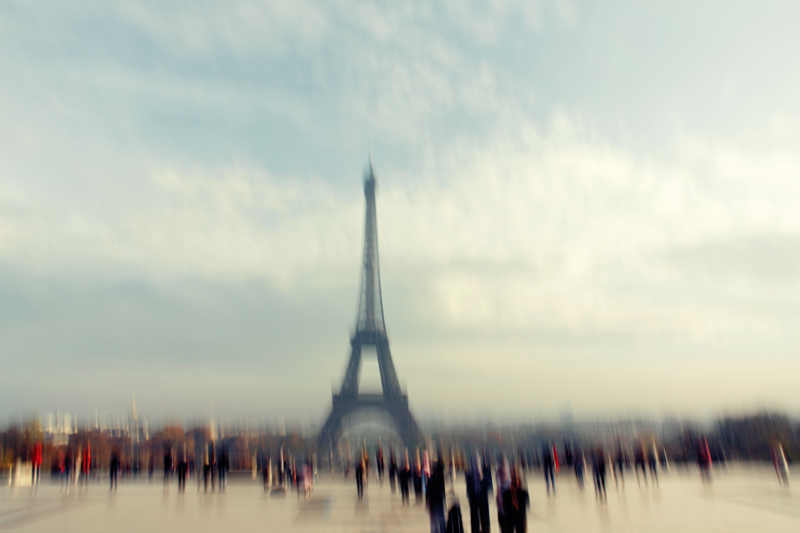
(652, 461)
(222, 468)
(779, 462)
(393, 471)
(417, 479)
(548, 466)
(599, 472)
(455, 522)
(515, 504)
(167, 466)
(113, 470)
(704, 459)
(36, 463)
(380, 462)
(435, 498)
(66, 470)
(86, 464)
(182, 471)
(473, 481)
(503, 484)
(579, 464)
(483, 496)
(282, 466)
(360, 478)
(639, 460)
(265, 470)
(404, 478)
(620, 460)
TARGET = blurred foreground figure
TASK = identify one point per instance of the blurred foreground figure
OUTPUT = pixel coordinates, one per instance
(479, 486)
(779, 461)
(435, 498)
(515, 506)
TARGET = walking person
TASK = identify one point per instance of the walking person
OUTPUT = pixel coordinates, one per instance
(548, 467)
(360, 479)
(86, 465)
(435, 498)
(404, 478)
(515, 503)
(599, 472)
(393, 471)
(640, 460)
(36, 463)
(113, 470)
(473, 480)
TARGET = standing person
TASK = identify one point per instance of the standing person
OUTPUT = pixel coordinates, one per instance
(36, 463)
(704, 459)
(393, 471)
(404, 478)
(167, 466)
(113, 469)
(515, 503)
(435, 498)
(86, 464)
(66, 471)
(222, 467)
(483, 497)
(212, 462)
(183, 470)
(417, 479)
(360, 478)
(381, 463)
(503, 484)
(473, 479)
(548, 466)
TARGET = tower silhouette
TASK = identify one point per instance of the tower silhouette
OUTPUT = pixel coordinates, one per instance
(392, 404)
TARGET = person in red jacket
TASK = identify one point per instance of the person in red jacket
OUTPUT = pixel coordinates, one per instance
(86, 463)
(36, 460)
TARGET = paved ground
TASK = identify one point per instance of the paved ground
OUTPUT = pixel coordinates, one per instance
(737, 500)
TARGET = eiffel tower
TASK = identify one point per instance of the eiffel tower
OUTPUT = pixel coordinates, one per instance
(348, 405)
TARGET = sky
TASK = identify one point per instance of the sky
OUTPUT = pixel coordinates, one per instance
(581, 205)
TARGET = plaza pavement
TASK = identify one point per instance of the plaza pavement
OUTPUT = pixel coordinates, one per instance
(739, 499)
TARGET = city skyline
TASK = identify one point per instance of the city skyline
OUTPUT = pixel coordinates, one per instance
(580, 204)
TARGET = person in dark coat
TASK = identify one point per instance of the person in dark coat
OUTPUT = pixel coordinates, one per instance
(393, 470)
(405, 481)
(515, 505)
(435, 498)
(360, 479)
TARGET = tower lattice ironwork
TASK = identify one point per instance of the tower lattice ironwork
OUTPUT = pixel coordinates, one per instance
(392, 404)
